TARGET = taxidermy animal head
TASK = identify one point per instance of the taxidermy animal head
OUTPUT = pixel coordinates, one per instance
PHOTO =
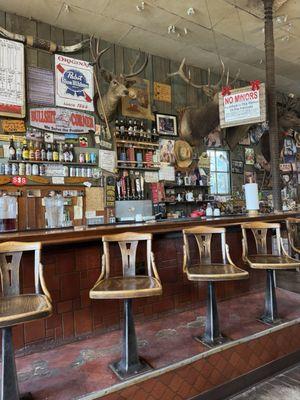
(197, 122)
(118, 84)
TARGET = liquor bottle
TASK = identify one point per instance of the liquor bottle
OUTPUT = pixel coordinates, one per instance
(12, 149)
(43, 152)
(66, 153)
(122, 129)
(37, 152)
(31, 151)
(130, 129)
(71, 153)
(49, 154)
(135, 130)
(55, 156)
(117, 128)
(142, 130)
(25, 151)
(61, 153)
(18, 152)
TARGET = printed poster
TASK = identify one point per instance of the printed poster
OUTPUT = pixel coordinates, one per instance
(12, 80)
(74, 85)
(138, 104)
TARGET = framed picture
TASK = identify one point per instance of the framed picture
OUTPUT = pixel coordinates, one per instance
(166, 124)
(249, 156)
(166, 148)
(237, 167)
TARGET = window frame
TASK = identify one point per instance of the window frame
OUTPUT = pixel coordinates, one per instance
(224, 172)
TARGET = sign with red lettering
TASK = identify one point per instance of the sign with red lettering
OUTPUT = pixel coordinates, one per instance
(242, 106)
(61, 120)
(19, 180)
(74, 83)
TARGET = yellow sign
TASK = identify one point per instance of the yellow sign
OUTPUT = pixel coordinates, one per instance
(13, 125)
(162, 92)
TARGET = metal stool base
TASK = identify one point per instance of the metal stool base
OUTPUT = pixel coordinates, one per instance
(268, 321)
(218, 341)
(122, 373)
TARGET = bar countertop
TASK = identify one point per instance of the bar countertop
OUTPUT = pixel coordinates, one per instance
(86, 234)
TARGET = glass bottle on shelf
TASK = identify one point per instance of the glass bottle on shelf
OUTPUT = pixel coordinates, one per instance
(66, 153)
(55, 155)
(130, 130)
(25, 151)
(37, 152)
(43, 152)
(49, 152)
(12, 149)
(61, 153)
(31, 151)
(117, 128)
(71, 153)
(122, 129)
(18, 152)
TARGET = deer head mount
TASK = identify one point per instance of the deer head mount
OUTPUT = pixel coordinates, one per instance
(118, 84)
(197, 122)
(42, 44)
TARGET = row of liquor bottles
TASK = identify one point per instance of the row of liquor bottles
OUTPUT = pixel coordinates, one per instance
(40, 151)
(135, 130)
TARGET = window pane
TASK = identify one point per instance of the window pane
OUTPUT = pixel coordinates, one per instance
(223, 183)
(212, 156)
(222, 161)
(213, 183)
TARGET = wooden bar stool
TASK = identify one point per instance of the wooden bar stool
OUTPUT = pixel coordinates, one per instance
(293, 229)
(127, 287)
(206, 271)
(16, 308)
(269, 262)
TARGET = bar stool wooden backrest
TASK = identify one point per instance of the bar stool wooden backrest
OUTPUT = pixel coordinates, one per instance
(10, 260)
(128, 243)
(203, 236)
(293, 226)
(260, 232)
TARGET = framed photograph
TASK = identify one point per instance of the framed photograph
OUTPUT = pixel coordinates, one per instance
(237, 167)
(249, 156)
(166, 148)
(166, 124)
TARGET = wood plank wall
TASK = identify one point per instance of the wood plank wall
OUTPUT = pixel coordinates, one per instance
(157, 69)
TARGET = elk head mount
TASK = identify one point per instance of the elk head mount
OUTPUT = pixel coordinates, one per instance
(197, 122)
(118, 84)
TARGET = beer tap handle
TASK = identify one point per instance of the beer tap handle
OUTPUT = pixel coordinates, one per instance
(142, 180)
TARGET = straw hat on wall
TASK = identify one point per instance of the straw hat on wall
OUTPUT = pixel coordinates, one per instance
(183, 154)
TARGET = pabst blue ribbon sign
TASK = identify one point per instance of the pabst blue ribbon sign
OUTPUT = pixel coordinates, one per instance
(61, 120)
(74, 83)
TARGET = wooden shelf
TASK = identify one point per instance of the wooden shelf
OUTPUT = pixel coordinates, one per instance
(170, 186)
(139, 168)
(54, 162)
(135, 143)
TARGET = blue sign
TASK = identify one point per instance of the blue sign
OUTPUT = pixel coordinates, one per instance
(75, 82)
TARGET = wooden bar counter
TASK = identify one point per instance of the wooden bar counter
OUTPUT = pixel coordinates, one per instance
(71, 258)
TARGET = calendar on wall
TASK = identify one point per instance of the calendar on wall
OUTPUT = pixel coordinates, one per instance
(12, 79)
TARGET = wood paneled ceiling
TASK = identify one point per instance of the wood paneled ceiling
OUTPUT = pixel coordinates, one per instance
(232, 29)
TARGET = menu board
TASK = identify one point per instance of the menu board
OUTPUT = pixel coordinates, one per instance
(12, 81)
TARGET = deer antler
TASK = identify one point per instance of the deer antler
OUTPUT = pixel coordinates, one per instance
(134, 64)
(234, 79)
(188, 80)
(42, 44)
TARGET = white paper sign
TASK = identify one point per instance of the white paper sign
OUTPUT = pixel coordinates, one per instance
(74, 85)
(167, 173)
(241, 106)
(151, 176)
(12, 84)
(107, 160)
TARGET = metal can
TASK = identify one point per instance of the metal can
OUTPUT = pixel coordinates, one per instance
(87, 157)
(78, 171)
(42, 170)
(35, 169)
(83, 172)
(89, 172)
(72, 171)
(15, 169)
(93, 158)
(81, 158)
(21, 169)
(2, 169)
(66, 171)
(28, 169)
(7, 169)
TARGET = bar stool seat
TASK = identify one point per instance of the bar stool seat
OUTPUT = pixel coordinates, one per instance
(23, 308)
(126, 287)
(215, 272)
(207, 271)
(270, 261)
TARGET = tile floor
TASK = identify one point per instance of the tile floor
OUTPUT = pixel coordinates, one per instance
(73, 370)
(284, 386)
